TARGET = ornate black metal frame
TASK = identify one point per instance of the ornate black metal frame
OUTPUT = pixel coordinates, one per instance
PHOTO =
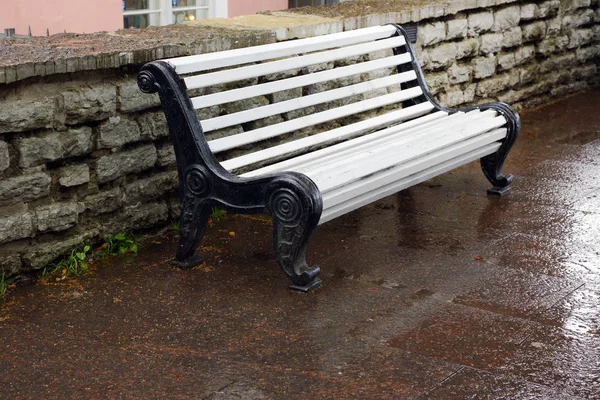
(292, 199)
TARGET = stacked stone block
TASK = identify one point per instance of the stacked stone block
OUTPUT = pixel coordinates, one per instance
(84, 154)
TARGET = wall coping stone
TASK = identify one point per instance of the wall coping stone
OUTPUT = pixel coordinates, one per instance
(26, 57)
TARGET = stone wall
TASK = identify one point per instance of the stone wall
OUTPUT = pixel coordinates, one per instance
(84, 154)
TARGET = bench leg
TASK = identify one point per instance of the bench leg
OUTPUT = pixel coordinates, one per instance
(193, 222)
(492, 169)
(492, 164)
(295, 206)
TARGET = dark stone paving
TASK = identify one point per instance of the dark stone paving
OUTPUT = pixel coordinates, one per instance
(437, 292)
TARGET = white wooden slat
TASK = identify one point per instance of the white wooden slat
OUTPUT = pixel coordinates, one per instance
(395, 134)
(257, 135)
(394, 146)
(403, 170)
(335, 135)
(299, 81)
(252, 71)
(241, 117)
(357, 202)
(202, 62)
(353, 170)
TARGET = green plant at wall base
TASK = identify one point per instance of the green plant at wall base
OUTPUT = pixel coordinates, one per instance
(73, 264)
(119, 244)
(3, 285)
(218, 214)
(175, 225)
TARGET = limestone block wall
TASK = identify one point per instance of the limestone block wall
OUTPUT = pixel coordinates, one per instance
(522, 53)
(85, 155)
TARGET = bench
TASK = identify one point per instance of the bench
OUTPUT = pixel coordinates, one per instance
(308, 130)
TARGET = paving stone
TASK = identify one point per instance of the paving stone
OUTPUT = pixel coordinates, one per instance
(470, 382)
(522, 294)
(550, 355)
(487, 343)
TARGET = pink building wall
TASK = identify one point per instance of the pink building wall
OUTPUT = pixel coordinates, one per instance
(247, 7)
(80, 16)
(86, 16)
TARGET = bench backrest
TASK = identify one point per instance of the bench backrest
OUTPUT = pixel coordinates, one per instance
(265, 103)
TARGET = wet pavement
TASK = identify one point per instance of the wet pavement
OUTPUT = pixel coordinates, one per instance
(438, 292)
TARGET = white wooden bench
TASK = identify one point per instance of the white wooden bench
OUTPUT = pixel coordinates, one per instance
(373, 129)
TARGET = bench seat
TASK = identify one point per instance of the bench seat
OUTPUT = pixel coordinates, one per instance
(311, 129)
(365, 169)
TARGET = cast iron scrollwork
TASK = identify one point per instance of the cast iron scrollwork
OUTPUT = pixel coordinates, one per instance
(295, 204)
(195, 211)
(147, 82)
(197, 180)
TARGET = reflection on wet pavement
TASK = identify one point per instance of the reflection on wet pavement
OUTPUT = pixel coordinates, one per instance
(437, 292)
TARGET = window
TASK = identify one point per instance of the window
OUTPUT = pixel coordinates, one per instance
(303, 3)
(144, 13)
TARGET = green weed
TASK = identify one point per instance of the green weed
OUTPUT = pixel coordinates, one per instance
(3, 285)
(218, 214)
(119, 244)
(175, 225)
(73, 264)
